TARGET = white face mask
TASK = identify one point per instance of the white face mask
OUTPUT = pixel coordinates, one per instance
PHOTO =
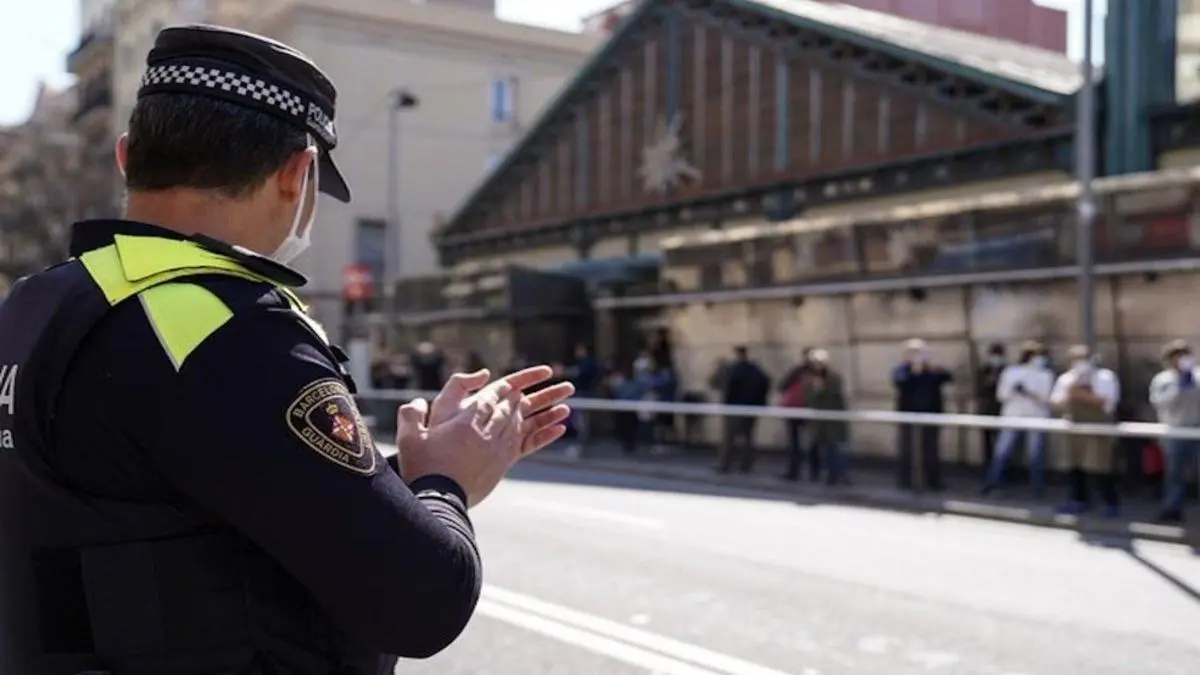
(1040, 361)
(1187, 363)
(299, 238)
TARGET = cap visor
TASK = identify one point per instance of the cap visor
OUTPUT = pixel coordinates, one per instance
(332, 182)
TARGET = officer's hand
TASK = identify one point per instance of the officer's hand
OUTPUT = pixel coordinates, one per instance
(476, 447)
(455, 393)
(462, 387)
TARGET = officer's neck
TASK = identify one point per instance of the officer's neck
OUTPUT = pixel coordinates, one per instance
(192, 212)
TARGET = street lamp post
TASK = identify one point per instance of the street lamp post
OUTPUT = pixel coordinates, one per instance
(1085, 168)
(399, 100)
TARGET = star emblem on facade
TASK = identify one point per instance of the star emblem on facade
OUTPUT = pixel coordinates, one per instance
(663, 165)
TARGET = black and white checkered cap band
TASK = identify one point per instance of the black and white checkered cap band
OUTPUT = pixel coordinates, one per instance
(254, 90)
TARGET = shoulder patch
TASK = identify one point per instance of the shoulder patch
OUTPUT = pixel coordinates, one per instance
(325, 418)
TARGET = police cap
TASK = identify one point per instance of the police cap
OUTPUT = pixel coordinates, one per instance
(252, 71)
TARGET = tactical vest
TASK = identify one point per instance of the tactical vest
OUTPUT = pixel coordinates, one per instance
(91, 583)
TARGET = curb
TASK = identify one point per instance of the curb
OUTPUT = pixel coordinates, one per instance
(916, 504)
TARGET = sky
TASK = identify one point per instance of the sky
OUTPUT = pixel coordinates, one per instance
(35, 40)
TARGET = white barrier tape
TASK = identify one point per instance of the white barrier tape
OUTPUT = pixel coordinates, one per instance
(1132, 429)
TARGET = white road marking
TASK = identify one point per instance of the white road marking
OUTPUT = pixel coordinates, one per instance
(932, 660)
(639, 619)
(682, 651)
(573, 510)
(598, 644)
(876, 644)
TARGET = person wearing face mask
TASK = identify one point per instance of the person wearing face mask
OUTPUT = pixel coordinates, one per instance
(1023, 391)
(1088, 393)
(186, 482)
(986, 402)
(1176, 397)
(918, 383)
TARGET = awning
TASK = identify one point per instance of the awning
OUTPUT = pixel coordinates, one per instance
(610, 270)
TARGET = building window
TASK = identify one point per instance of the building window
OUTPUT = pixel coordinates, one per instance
(503, 103)
(370, 246)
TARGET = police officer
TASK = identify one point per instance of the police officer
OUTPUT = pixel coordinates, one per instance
(186, 485)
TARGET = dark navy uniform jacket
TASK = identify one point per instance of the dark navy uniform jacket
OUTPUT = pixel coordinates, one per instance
(228, 439)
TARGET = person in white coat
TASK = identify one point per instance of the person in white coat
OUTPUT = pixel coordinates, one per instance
(1024, 392)
(1175, 395)
(1088, 393)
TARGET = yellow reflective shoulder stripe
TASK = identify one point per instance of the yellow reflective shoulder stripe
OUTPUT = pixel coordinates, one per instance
(183, 316)
(105, 269)
(104, 266)
(293, 299)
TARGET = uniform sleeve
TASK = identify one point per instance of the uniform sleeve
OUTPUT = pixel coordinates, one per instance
(270, 440)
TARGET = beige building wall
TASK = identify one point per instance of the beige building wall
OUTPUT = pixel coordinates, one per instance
(137, 22)
(547, 257)
(1187, 66)
(448, 58)
(863, 333)
(1026, 181)
(1179, 159)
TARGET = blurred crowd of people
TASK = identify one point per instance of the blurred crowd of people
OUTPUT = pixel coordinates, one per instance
(1088, 392)
(1029, 386)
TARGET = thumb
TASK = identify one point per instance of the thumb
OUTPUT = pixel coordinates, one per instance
(412, 415)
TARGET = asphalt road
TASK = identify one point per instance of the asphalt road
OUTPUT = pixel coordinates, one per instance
(596, 574)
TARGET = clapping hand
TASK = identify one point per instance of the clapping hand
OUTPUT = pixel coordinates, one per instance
(474, 431)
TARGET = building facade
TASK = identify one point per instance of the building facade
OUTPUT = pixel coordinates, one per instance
(1023, 21)
(733, 173)
(92, 64)
(696, 100)
(1187, 71)
(474, 85)
(38, 177)
(607, 21)
(137, 22)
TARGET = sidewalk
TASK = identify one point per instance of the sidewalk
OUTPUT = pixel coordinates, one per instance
(873, 487)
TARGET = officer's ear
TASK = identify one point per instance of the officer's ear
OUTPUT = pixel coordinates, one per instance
(291, 177)
(121, 152)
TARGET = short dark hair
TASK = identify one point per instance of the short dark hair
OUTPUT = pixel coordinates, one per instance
(203, 143)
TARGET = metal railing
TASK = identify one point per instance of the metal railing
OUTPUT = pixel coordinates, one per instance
(1118, 429)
